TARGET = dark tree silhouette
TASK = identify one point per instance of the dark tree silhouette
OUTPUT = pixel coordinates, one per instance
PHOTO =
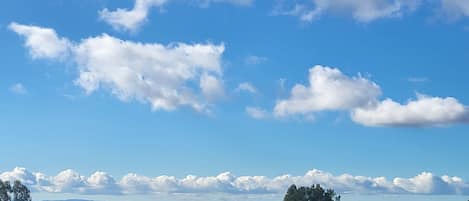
(5, 189)
(19, 191)
(313, 193)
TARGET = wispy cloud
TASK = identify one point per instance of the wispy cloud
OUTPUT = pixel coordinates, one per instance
(362, 11)
(18, 88)
(247, 87)
(455, 9)
(254, 60)
(257, 113)
(417, 79)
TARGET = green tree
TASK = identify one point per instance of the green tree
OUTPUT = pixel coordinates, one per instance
(5, 190)
(313, 193)
(19, 191)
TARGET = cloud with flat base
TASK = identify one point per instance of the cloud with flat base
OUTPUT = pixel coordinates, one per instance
(163, 76)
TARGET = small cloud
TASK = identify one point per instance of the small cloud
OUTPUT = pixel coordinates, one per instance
(18, 88)
(130, 19)
(212, 87)
(69, 96)
(417, 79)
(254, 60)
(257, 113)
(328, 90)
(360, 11)
(281, 83)
(206, 3)
(455, 9)
(424, 111)
(246, 86)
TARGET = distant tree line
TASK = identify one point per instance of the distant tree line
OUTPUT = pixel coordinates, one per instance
(17, 192)
(313, 193)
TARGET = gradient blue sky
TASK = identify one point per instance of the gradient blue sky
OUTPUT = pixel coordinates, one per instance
(54, 125)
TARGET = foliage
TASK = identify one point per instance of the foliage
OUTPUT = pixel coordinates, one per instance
(19, 191)
(313, 193)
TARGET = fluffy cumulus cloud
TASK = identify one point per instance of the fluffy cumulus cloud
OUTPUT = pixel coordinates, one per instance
(212, 87)
(424, 111)
(130, 19)
(69, 181)
(164, 76)
(42, 42)
(328, 89)
(361, 11)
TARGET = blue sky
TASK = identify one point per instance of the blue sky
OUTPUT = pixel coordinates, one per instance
(387, 96)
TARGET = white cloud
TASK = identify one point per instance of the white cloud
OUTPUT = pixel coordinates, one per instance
(69, 181)
(102, 183)
(417, 79)
(163, 76)
(455, 8)
(359, 10)
(246, 86)
(19, 173)
(42, 42)
(254, 60)
(18, 88)
(257, 113)
(425, 111)
(205, 3)
(328, 89)
(212, 87)
(124, 19)
(130, 20)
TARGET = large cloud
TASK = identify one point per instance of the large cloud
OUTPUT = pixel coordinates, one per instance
(328, 89)
(69, 181)
(164, 76)
(425, 111)
(361, 11)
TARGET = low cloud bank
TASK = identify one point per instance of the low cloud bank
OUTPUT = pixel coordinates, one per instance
(70, 181)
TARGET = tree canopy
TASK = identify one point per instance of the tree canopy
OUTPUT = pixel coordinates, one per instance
(18, 191)
(313, 193)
